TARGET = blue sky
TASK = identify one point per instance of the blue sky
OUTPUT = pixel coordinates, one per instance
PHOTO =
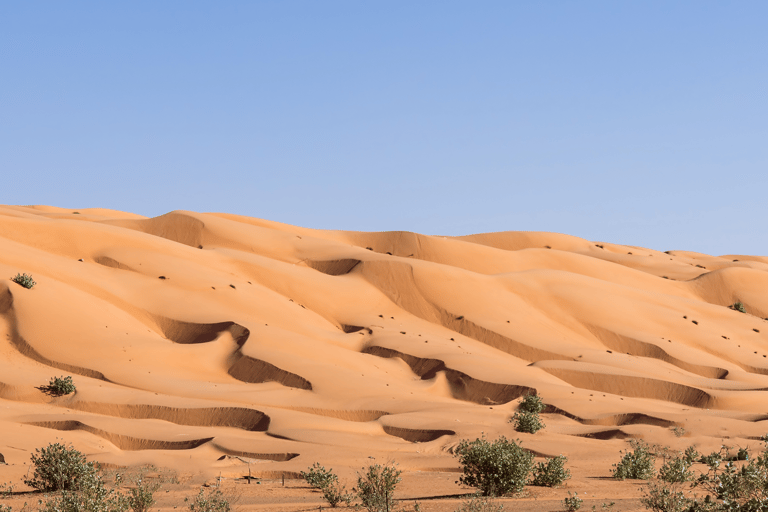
(643, 123)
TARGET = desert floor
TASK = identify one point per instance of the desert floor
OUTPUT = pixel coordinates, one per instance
(211, 345)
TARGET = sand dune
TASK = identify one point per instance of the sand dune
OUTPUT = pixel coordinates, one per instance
(200, 340)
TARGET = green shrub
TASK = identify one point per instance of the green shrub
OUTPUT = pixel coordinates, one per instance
(637, 464)
(691, 454)
(325, 480)
(739, 306)
(572, 503)
(90, 496)
(213, 501)
(495, 468)
(662, 497)
(61, 386)
(532, 403)
(479, 503)
(551, 473)
(142, 496)
(24, 280)
(676, 470)
(58, 468)
(527, 422)
(376, 487)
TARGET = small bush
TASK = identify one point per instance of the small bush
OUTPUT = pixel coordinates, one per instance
(142, 496)
(90, 496)
(739, 306)
(661, 497)
(572, 503)
(551, 473)
(678, 431)
(61, 386)
(532, 403)
(59, 468)
(213, 501)
(479, 503)
(691, 454)
(527, 422)
(495, 468)
(376, 487)
(676, 470)
(637, 464)
(24, 280)
(325, 480)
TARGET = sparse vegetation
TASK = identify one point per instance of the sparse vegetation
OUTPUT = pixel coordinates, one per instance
(495, 468)
(636, 464)
(527, 418)
(479, 503)
(678, 431)
(739, 306)
(24, 280)
(551, 473)
(212, 501)
(676, 470)
(61, 386)
(141, 497)
(59, 468)
(90, 495)
(573, 503)
(328, 483)
(376, 487)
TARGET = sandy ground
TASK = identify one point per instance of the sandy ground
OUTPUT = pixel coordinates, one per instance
(212, 344)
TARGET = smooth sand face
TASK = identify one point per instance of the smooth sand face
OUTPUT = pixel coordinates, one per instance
(198, 337)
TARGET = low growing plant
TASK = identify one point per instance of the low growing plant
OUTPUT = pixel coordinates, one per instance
(59, 468)
(572, 503)
(495, 468)
(676, 470)
(24, 280)
(551, 473)
(478, 503)
(91, 495)
(325, 480)
(61, 385)
(527, 422)
(376, 487)
(636, 464)
(213, 501)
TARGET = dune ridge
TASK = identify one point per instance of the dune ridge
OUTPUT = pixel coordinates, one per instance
(289, 345)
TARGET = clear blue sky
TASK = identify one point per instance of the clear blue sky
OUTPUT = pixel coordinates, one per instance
(638, 122)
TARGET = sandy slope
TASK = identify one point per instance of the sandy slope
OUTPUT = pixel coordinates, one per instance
(192, 337)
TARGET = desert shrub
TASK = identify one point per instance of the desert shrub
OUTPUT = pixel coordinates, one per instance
(739, 306)
(61, 385)
(551, 473)
(478, 503)
(213, 501)
(58, 468)
(24, 280)
(663, 497)
(676, 470)
(495, 468)
(325, 480)
(142, 496)
(572, 503)
(376, 487)
(691, 454)
(528, 422)
(532, 403)
(678, 431)
(636, 464)
(90, 496)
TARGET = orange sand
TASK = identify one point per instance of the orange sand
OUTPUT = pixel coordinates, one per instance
(218, 344)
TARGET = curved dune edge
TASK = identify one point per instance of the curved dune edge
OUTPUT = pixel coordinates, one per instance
(234, 417)
(277, 457)
(627, 345)
(123, 442)
(355, 415)
(417, 435)
(255, 371)
(604, 435)
(396, 280)
(333, 267)
(190, 333)
(615, 420)
(635, 387)
(463, 387)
